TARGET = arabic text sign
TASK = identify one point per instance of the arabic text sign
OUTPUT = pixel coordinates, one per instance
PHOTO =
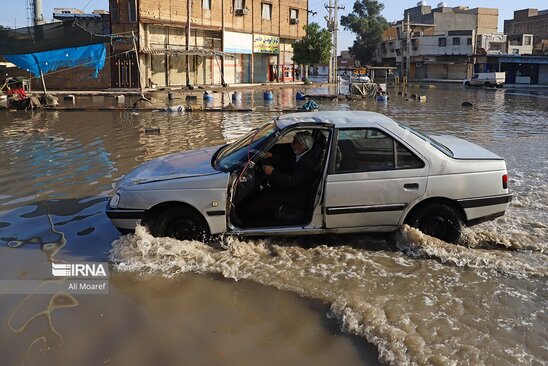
(266, 44)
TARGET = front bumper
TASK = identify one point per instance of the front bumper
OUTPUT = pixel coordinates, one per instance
(125, 219)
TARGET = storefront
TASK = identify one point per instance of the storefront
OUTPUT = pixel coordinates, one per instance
(265, 58)
(237, 68)
(287, 66)
(166, 57)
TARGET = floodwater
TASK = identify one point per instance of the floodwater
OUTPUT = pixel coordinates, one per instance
(331, 300)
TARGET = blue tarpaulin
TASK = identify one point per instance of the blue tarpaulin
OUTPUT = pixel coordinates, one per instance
(92, 56)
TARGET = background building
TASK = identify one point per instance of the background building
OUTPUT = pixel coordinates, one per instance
(443, 40)
(206, 42)
(529, 22)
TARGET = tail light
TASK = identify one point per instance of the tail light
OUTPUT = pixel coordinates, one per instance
(505, 181)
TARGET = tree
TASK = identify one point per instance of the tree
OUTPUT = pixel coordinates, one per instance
(4, 29)
(314, 48)
(368, 24)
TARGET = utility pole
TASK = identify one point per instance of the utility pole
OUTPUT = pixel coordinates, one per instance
(330, 27)
(408, 40)
(333, 26)
(188, 58)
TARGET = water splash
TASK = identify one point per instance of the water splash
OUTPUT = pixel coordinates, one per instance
(406, 307)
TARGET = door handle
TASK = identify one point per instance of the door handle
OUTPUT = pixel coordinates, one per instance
(411, 186)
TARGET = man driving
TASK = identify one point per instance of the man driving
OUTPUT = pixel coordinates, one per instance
(290, 188)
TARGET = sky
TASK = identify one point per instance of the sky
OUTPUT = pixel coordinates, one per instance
(16, 14)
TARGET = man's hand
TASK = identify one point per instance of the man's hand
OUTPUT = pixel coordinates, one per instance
(267, 154)
(268, 169)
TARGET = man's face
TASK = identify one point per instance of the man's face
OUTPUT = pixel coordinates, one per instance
(297, 147)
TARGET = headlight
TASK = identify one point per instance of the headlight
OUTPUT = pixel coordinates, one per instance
(114, 200)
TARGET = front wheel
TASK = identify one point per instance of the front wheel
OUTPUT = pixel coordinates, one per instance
(466, 83)
(487, 84)
(180, 223)
(437, 220)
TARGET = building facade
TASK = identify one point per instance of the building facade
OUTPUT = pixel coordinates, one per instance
(530, 22)
(443, 41)
(205, 42)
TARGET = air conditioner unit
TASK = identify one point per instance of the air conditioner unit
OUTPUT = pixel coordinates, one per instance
(293, 21)
(241, 12)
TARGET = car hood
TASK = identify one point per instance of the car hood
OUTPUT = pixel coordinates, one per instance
(463, 149)
(179, 165)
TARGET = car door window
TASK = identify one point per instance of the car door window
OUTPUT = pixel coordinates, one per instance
(369, 149)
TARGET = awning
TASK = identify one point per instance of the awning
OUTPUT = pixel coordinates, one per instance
(179, 51)
(523, 60)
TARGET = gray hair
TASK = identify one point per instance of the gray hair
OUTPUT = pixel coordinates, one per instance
(305, 139)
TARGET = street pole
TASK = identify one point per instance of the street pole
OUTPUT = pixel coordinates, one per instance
(408, 59)
(333, 26)
(330, 27)
(335, 30)
(188, 10)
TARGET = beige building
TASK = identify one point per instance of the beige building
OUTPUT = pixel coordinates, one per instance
(205, 42)
(443, 40)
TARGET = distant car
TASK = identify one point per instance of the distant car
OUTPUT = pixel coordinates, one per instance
(360, 79)
(374, 174)
(487, 79)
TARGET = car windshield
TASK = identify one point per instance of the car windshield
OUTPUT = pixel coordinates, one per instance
(444, 149)
(228, 157)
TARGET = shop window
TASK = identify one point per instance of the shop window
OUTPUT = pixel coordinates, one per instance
(132, 11)
(267, 11)
(114, 12)
(442, 42)
(456, 41)
(206, 4)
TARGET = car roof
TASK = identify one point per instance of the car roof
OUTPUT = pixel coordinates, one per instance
(341, 119)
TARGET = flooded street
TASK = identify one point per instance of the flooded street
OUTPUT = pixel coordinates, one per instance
(330, 300)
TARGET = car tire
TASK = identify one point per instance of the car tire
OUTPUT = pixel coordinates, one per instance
(466, 83)
(180, 223)
(487, 84)
(437, 220)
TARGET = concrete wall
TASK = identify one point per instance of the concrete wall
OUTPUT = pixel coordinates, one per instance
(430, 46)
(526, 21)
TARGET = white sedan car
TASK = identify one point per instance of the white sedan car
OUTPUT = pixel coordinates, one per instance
(373, 174)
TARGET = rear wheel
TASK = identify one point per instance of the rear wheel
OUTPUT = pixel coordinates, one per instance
(487, 84)
(467, 83)
(180, 223)
(437, 220)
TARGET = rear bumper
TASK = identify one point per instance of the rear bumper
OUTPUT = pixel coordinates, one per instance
(483, 209)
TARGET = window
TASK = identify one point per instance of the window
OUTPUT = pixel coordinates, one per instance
(132, 11)
(206, 4)
(469, 41)
(456, 41)
(368, 149)
(114, 12)
(527, 41)
(239, 4)
(515, 51)
(293, 14)
(442, 42)
(267, 11)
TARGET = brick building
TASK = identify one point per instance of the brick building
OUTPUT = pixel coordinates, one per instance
(205, 42)
(529, 21)
(443, 40)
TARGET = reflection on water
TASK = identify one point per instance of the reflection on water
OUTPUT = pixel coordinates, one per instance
(417, 300)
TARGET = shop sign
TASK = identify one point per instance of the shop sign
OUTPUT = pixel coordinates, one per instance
(266, 44)
(238, 42)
